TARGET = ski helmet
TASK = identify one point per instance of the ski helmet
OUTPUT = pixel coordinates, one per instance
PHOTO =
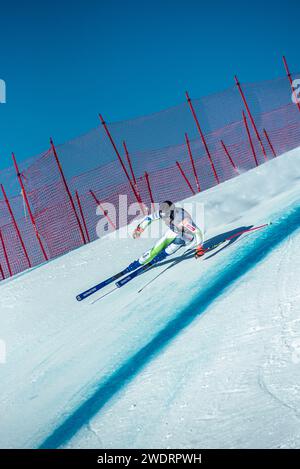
(166, 209)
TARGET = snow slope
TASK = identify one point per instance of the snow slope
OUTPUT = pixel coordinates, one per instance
(207, 356)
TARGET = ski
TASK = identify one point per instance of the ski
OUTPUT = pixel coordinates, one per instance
(99, 286)
(113, 278)
(142, 269)
(134, 274)
(126, 279)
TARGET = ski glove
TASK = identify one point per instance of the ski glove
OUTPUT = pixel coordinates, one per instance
(137, 232)
(199, 252)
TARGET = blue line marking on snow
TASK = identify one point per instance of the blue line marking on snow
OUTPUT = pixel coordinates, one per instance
(253, 250)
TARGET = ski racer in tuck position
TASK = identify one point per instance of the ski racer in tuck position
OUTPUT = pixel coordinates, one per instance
(182, 231)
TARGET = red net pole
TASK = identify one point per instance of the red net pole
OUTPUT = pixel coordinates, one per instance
(104, 211)
(67, 190)
(119, 157)
(290, 80)
(24, 193)
(249, 138)
(1, 272)
(133, 177)
(149, 187)
(270, 143)
(192, 161)
(82, 216)
(15, 225)
(229, 157)
(250, 117)
(184, 177)
(202, 136)
(5, 254)
(129, 162)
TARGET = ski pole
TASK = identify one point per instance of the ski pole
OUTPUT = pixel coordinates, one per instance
(235, 235)
(163, 271)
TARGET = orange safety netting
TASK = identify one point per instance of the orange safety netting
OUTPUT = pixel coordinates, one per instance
(156, 146)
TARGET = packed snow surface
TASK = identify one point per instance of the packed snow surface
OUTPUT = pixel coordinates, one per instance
(207, 356)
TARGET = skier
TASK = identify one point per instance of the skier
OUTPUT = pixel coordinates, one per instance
(182, 231)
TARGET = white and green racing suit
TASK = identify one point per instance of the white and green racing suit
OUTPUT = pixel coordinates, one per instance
(181, 231)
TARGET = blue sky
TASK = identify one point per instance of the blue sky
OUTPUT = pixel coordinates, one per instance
(63, 62)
